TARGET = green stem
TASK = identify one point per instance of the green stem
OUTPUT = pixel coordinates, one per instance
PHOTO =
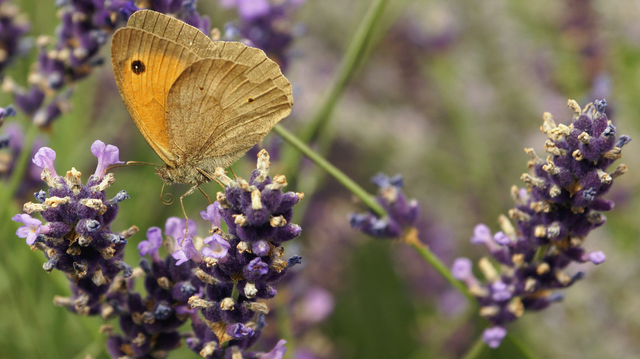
(442, 269)
(353, 57)
(351, 185)
(283, 321)
(540, 253)
(524, 349)
(476, 350)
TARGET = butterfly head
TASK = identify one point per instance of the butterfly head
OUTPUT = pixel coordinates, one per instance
(181, 174)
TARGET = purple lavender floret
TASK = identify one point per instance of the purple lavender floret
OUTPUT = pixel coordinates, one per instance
(560, 206)
(403, 213)
(77, 238)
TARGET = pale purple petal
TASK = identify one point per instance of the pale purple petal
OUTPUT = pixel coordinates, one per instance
(252, 9)
(174, 227)
(218, 247)
(501, 238)
(44, 159)
(187, 251)
(31, 237)
(277, 352)
(493, 336)
(212, 214)
(31, 229)
(597, 257)
(500, 291)
(461, 268)
(481, 234)
(316, 305)
(26, 219)
(180, 256)
(153, 242)
(107, 156)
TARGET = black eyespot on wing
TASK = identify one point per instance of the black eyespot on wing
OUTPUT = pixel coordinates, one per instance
(250, 100)
(137, 67)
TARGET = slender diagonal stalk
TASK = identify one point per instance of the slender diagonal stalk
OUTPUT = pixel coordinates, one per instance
(412, 239)
(351, 185)
(476, 350)
(369, 200)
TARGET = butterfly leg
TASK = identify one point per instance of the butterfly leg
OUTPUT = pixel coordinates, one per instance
(209, 177)
(190, 191)
(233, 173)
(205, 195)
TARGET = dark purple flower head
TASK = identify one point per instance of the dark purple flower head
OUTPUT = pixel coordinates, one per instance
(403, 213)
(77, 238)
(6, 112)
(248, 258)
(13, 25)
(107, 156)
(560, 206)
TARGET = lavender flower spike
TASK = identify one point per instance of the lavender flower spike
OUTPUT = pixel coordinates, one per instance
(107, 156)
(554, 214)
(44, 159)
(32, 227)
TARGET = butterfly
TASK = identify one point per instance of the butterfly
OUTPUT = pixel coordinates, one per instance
(199, 104)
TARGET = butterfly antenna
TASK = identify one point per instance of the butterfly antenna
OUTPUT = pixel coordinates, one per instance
(205, 195)
(169, 199)
(131, 163)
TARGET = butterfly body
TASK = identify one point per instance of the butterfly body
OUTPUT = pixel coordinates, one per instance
(199, 104)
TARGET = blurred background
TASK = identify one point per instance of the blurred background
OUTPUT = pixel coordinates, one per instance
(448, 94)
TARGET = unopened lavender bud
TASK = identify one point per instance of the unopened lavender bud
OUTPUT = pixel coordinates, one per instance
(293, 261)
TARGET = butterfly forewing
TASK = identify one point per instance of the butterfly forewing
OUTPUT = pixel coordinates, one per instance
(173, 29)
(145, 68)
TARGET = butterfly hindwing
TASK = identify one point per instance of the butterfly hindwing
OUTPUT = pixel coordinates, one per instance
(215, 113)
